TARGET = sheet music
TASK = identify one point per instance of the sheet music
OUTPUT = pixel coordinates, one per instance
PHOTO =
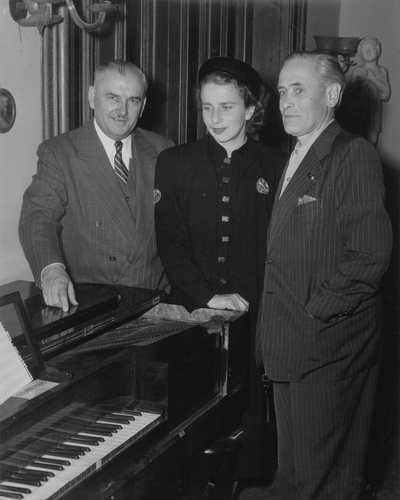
(13, 372)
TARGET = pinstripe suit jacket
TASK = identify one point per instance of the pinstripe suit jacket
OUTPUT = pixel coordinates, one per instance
(329, 244)
(76, 211)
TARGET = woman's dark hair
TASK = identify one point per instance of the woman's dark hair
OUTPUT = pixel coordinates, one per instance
(222, 78)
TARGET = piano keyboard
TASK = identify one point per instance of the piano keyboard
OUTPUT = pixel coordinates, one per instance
(66, 448)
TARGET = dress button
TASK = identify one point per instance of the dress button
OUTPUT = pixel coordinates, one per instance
(112, 258)
(127, 198)
(269, 261)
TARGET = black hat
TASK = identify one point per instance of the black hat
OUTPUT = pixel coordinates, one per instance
(240, 70)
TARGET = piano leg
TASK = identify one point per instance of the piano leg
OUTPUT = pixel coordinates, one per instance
(219, 459)
(206, 475)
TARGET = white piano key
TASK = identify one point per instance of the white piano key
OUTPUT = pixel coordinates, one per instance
(86, 465)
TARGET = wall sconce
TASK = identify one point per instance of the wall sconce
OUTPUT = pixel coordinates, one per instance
(41, 13)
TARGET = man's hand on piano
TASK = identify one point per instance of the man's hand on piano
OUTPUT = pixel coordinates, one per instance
(233, 302)
(57, 287)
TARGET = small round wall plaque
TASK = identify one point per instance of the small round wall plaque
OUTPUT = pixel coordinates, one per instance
(8, 111)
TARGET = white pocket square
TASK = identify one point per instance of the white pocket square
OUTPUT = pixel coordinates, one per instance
(305, 199)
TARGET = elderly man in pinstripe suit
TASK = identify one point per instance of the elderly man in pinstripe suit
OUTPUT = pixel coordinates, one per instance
(88, 215)
(319, 333)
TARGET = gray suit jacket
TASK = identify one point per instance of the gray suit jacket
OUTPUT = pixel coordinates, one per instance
(76, 211)
(328, 246)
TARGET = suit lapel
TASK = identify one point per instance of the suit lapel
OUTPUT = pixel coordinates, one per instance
(144, 155)
(98, 174)
(308, 172)
(143, 165)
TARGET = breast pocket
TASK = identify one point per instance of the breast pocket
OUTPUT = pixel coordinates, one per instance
(306, 215)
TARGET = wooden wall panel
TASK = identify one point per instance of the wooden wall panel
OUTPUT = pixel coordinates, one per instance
(169, 40)
(279, 28)
(173, 38)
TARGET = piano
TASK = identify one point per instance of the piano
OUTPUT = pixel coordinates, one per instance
(128, 387)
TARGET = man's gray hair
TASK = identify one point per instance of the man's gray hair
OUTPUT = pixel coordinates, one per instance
(122, 67)
(326, 66)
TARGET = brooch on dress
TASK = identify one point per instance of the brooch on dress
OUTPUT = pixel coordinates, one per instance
(156, 196)
(262, 186)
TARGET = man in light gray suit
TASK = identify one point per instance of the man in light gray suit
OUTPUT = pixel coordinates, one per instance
(87, 217)
(319, 332)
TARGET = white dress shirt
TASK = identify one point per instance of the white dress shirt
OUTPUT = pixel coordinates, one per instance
(298, 154)
(109, 146)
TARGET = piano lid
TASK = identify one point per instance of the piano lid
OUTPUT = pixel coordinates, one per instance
(92, 301)
(99, 306)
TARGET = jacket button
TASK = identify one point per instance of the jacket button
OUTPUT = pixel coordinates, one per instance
(112, 258)
(269, 261)
(97, 223)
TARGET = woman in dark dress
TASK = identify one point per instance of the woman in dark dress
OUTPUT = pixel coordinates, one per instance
(214, 202)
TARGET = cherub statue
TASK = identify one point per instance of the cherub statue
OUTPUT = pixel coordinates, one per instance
(369, 83)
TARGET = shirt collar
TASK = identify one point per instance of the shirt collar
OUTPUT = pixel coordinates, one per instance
(109, 143)
(312, 138)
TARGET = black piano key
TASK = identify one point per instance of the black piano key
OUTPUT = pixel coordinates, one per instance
(118, 420)
(61, 442)
(39, 473)
(86, 440)
(7, 468)
(24, 480)
(80, 449)
(31, 474)
(16, 462)
(64, 454)
(100, 427)
(42, 465)
(98, 432)
(68, 436)
(82, 425)
(94, 415)
(5, 494)
(54, 461)
(17, 489)
(111, 427)
(24, 476)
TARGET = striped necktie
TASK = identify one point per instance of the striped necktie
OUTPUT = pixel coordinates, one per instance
(119, 165)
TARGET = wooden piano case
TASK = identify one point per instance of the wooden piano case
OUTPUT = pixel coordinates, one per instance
(191, 373)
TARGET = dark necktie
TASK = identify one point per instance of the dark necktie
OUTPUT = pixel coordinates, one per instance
(119, 165)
